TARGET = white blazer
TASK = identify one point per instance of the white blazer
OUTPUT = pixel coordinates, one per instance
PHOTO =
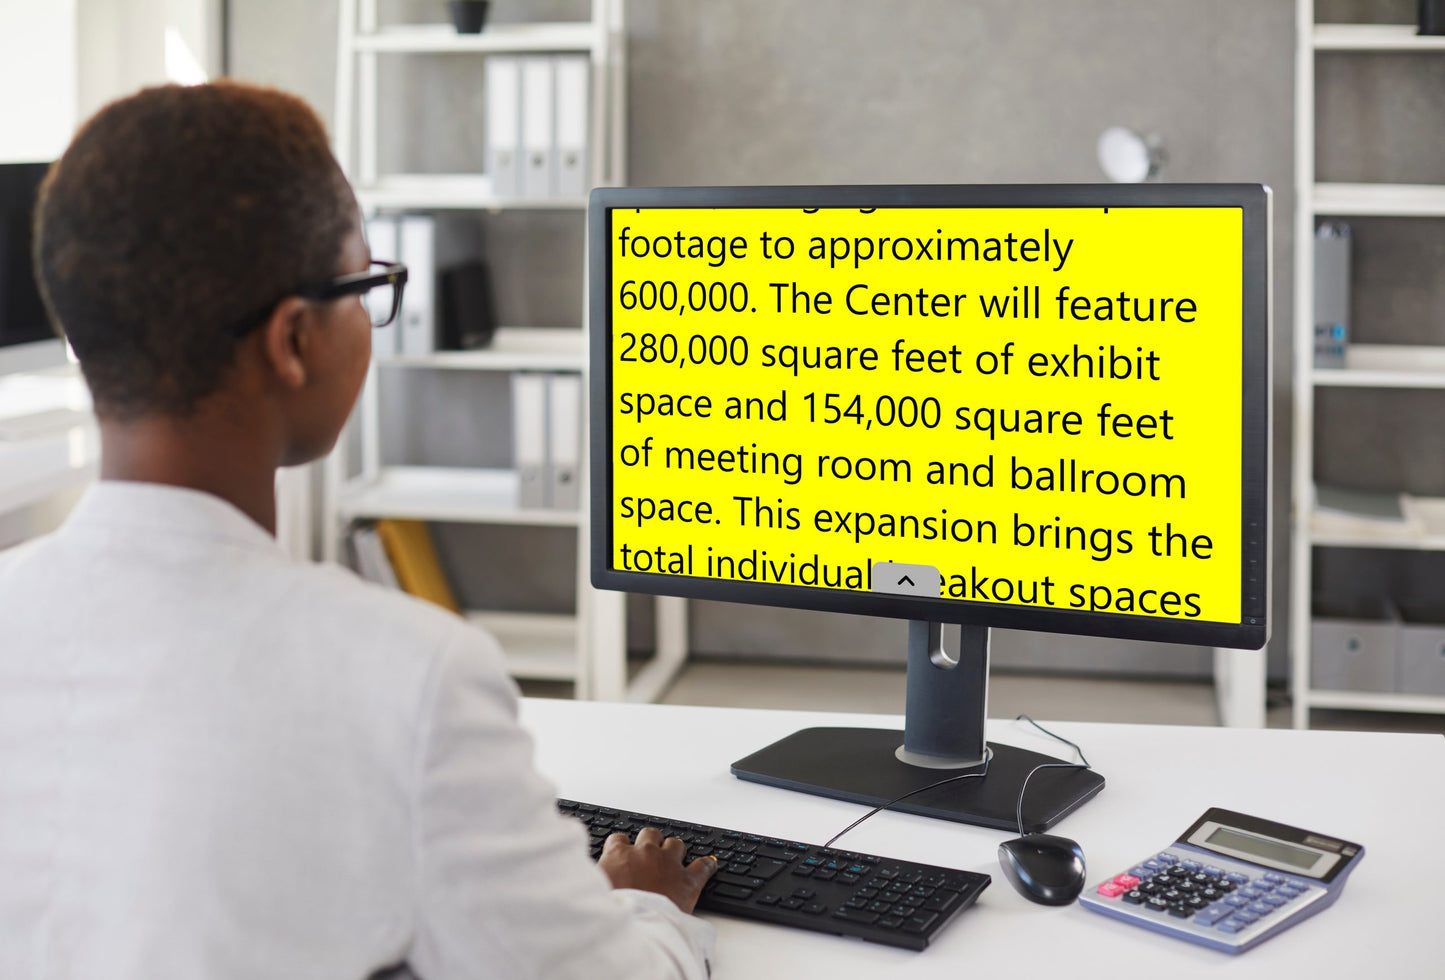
(216, 762)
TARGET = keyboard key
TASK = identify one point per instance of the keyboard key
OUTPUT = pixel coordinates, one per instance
(766, 869)
(791, 903)
(815, 908)
(920, 922)
(728, 878)
(732, 891)
(890, 922)
(803, 871)
(854, 915)
(942, 902)
(767, 900)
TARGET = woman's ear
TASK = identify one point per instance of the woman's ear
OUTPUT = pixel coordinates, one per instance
(286, 339)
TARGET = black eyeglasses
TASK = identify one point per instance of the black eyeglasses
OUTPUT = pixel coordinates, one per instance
(381, 290)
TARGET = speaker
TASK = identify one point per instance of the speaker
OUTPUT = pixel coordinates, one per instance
(469, 315)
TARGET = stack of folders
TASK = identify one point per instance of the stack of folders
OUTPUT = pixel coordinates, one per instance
(408, 238)
(537, 138)
(399, 554)
(547, 439)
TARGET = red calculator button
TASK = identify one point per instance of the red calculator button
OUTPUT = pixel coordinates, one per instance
(1112, 889)
(1128, 881)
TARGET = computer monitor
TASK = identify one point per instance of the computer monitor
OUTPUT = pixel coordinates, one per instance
(27, 341)
(1021, 406)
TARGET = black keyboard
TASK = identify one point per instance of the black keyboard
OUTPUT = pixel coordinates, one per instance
(897, 903)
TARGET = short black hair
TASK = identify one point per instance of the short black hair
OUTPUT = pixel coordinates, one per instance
(174, 213)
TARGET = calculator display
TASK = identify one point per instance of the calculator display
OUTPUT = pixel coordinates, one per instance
(1295, 857)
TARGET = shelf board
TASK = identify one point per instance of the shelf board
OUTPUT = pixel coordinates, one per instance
(1375, 701)
(537, 646)
(441, 192)
(1423, 530)
(511, 349)
(499, 38)
(1374, 37)
(1380, 200)
(1387, 366)
(444, 493)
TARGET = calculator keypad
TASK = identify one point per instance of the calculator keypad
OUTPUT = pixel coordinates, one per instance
(1209, 896)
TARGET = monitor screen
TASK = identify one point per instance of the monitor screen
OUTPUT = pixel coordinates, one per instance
(1035, 407)
(22, 315)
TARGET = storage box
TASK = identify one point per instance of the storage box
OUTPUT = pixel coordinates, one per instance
(1355, 654)
(1422, 654)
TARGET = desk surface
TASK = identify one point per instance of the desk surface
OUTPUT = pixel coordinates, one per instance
(1386, 791)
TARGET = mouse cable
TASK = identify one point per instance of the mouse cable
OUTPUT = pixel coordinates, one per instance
(912, 792)
(1083, 764)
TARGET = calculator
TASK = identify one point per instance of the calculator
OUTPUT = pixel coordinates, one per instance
(1230, 881)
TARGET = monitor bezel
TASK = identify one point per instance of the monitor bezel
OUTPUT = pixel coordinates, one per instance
(1253, 200)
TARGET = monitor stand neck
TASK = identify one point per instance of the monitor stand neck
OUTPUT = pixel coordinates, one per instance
(947, 698)
(943, 737)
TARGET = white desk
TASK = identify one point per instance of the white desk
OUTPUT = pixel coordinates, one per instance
(42, 475)
(1385, 791)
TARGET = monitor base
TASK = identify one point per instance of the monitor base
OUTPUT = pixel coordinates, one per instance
(859, 765)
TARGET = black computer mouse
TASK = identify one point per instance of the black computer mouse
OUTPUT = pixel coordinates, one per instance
(1044, 868)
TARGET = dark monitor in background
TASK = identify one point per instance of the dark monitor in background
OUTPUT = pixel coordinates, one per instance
(1025, 407)
(27, 341)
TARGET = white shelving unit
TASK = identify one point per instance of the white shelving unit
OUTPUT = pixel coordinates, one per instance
(1366, 365)
(588, 648)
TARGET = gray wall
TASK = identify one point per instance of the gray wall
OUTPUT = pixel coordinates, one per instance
(816, 91)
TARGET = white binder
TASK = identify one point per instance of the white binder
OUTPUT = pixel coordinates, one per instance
(572, 157)
(381, 236)
(539, 178)
(418, 305)
(564, 423)
(529, 438)
(504, 125)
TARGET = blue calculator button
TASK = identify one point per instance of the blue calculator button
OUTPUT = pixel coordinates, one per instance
(1260, 908)
(1168, 858)
(1140, 871)
(1293, 891)
(1231, 925)
(1237, 878)
(1295, 884)
(1247, 917)
(1210, 869)
(1254, 891)
(1273, 878)
(1236, 901)
(1209, 916)
(1277, 901)
(1192, 865)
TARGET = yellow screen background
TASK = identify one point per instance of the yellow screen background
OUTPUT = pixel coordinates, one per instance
(1193, 253)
